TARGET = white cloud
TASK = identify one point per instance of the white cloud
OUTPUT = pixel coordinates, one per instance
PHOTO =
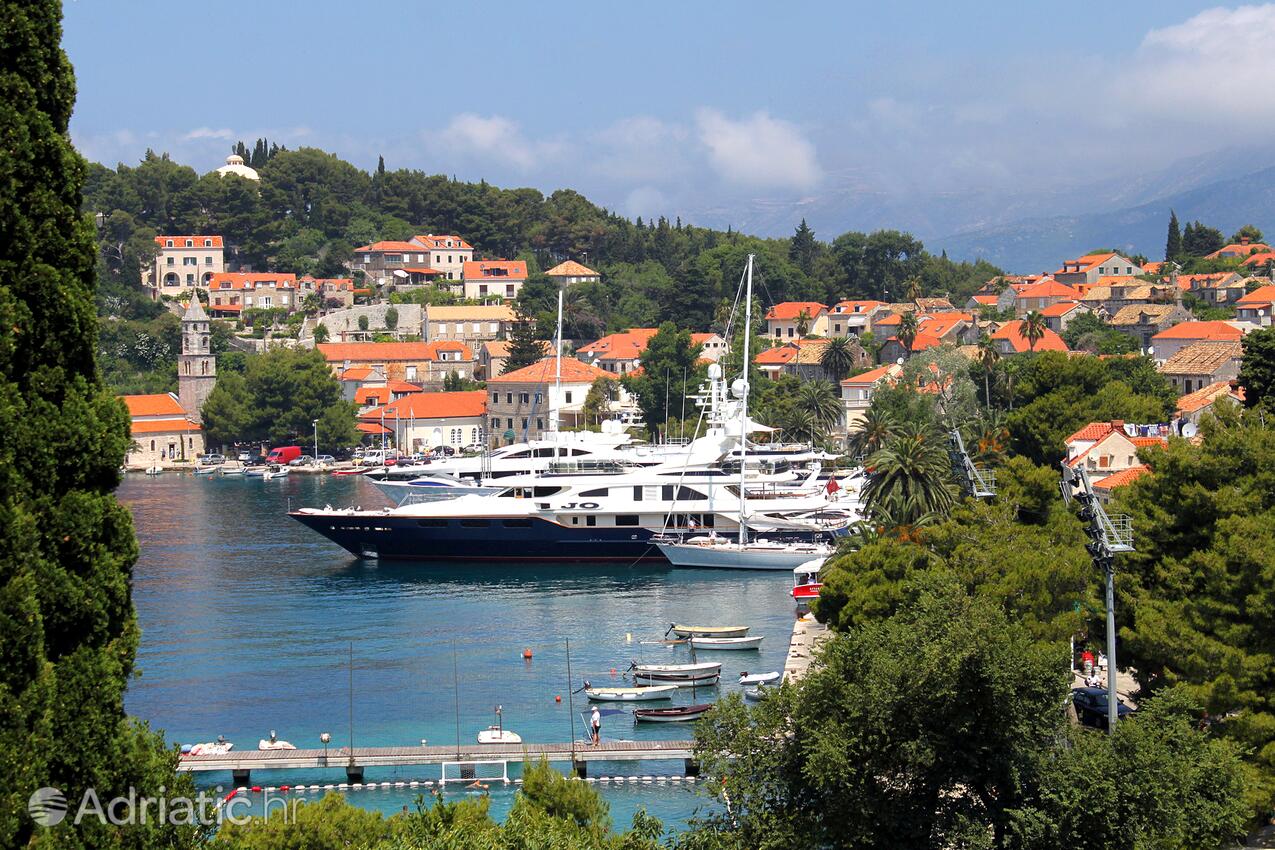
(200, 133)
(495, 138)
(758, 151)
(641, 148)
(645, 201)
(1215, 66)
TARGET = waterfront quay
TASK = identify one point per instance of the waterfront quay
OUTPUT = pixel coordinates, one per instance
(356, 761)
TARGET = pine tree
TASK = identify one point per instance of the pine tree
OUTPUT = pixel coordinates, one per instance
(802, 247)
(380, 167)
(525, 347)
(68, 633)
(1173, 245)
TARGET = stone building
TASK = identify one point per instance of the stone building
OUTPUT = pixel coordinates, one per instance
(196, 365)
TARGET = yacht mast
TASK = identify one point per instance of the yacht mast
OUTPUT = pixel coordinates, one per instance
(743, 416)
(556, 396)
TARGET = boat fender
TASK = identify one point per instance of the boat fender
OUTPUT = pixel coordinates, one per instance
(558, 698)
(256, 789)
(526, 653)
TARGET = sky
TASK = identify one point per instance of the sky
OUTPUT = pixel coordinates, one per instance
(694, 109)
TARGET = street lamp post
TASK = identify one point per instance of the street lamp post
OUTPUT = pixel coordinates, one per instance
(316, 442)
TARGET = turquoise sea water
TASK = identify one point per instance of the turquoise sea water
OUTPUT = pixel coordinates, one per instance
(248, 619)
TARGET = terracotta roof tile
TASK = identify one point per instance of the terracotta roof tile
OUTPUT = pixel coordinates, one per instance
(495, 270)
(570, 268)
(434, 242)
(1211, 330)
(1202, 358)
(384, 352)
(573, 371)
(1121, 478)
(1061, 308)
(790, 310)
(1010, 332)
(180, 241)
(163, 426)
(432, 406)
(156, 404)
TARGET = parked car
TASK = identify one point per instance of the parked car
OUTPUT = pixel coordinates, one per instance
(212, 460)
(304, 460)
(325, 460)
(246, 457)
(283, 454)
(377, 457)
(472, 449)
(444, 451)
(1091, 706)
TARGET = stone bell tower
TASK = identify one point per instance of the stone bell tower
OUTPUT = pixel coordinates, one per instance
(196, 367)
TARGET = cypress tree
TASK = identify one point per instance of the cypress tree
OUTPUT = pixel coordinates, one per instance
(68, 633)
(525, 347)
(1173, 244)
(802, 247)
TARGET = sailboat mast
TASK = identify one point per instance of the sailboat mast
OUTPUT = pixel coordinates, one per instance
(743, 416)
(557, 373)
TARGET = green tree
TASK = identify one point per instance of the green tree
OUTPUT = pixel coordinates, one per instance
(1257, 370)
(320, 334)
(802, 248)
(1173, 243)
(802, 324)
(1249, 232)
(281, 393)
(838, 357)
(525, 347)
(1088, 332)
(818, 408)
(910, 479)
(363, 321)
(871, 433)
(1199, 240)
(988, 356)
(909, 327)
(1033, 329)
(597, 404)
(391, 318)
(66, 545)
(670, 372)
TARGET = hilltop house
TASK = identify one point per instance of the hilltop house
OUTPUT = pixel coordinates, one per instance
(1104, 448)
(1244, 248)
(492, 357)
(1089, 268)
(446, 254)
(1046, 293)
(161, 430)
(711, 346)
(617, 353)
(1008, 339)
(854, 318)
(569, 272)
(1060, 314)
(1257, 307)
(183, 263)
(1144, 321)
(783, 321)
(426, 257)
(230, 293)
(494, 278)
(1193, 406)
(802, 358)
(856, 391)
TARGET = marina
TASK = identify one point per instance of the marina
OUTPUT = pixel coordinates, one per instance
(247, 621)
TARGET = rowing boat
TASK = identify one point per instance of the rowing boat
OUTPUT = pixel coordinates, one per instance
(638, 693)
(677, 714)
(758, 678)
(726, 643)
(686, 670)
(708, 631)
(704, 680)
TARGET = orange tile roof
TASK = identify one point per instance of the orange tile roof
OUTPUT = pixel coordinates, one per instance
(364, 395)
(872, 376)
(1060, 308)
(1116, 280)
(403, 387)
(433, 406)
(497, 269)
(1261, 258)
(433, 242)
(180, 241)
(1142, 442)
(1238, 249)
(573, 371)
(156, 404)
(1010, 332)
(1086, 262)
(986, 300)
(857, 306)
(382, 352)
(1202, 398)
(790, 310)
(371, 428)
(425, 270)
(702, 339)
(1261, 297)
(1049, 289)
(1095, 431)
(251, 280)
(625, 345)
(1121, 478)
(1153, 267)
(571, 268)
(163, 426)
(356, 373)
(389, 246)
(1212, 330)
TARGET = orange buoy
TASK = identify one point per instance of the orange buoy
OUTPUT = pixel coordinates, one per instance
(558, 698)
(612, 671)
(526, 653)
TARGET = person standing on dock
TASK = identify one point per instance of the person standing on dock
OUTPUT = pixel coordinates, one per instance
(595, 722)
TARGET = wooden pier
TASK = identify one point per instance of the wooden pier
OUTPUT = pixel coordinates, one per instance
(241, 764)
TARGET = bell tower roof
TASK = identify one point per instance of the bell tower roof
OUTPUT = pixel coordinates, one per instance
(195, 310)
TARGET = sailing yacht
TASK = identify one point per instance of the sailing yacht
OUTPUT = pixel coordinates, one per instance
(742, 553)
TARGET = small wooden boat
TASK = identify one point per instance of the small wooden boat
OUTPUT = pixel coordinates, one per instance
(685, 670)
(758, 678)
(736, 643)
(232, 467)
(154, 470)
(254, 472)
(638, 693)
(756, 694)
(703, 680)
(707, 631)
(206, 470)
(677, 714)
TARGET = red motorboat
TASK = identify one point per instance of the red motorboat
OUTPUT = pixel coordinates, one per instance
(805, 580)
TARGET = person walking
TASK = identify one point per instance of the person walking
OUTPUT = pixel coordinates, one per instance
(595, 723)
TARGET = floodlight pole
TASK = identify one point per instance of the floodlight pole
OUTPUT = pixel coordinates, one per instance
(1113, 707)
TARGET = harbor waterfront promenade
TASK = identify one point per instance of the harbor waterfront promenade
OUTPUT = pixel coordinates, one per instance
(241, 764)
(249, 622)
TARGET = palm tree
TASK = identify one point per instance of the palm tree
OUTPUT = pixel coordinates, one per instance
(988, 357)
(837, 358)
(803, 323)
(909, 327)
(910, 481)
(872, 433)
(1033, 328)
(989, 441)
(914, 289)
(817, 407)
